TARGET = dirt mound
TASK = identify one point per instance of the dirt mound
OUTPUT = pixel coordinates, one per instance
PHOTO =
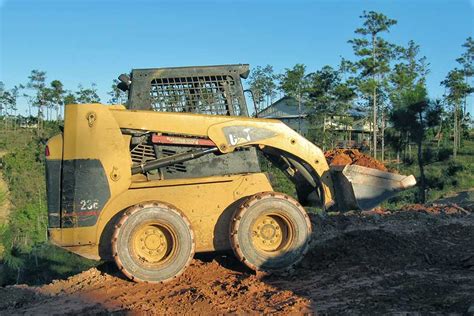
(412, 261)
(204, 288)
(435, 208)
(342, 157)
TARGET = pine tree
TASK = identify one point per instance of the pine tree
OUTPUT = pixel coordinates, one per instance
(328, 95)
(375, 55)
(37, 83)
(87, 95)
(457, 90)
(262, 85)
(117, 96)
(294, 83)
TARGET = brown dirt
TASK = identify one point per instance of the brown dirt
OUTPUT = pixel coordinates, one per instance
(417, 260)
(342, 157)
(434, 208)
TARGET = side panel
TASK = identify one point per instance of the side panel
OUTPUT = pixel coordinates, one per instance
(53, 188)
(85, 191)
(54, 155)
(208, 205)
(96, 164)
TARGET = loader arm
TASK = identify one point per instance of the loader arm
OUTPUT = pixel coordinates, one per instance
(299, 158)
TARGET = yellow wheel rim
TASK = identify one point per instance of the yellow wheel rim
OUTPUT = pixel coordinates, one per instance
(271, 234)
(153, 243)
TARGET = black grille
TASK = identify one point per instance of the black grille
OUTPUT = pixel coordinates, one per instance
(177, 167)
(142, 153)
(216, 95)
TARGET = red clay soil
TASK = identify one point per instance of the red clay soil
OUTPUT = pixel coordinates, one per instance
(205, 288)
(415, 261)
(435, 209)
(342, 157)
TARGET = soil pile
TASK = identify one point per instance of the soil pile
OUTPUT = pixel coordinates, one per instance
(218, 286)
(417, 260)
(435, 208)
(342, 157)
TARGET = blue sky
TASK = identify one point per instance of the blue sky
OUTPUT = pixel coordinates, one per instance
(94, 41)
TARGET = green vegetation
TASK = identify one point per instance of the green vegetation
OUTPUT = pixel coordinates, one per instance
(278, 179)
(387, 82)
(444, 175)
(26, 256)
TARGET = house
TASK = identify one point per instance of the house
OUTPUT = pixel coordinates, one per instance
(286, 110)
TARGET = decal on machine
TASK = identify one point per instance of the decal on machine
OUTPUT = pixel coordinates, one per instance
(239, 135)
(84, 192)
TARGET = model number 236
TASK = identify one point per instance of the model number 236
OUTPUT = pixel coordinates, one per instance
(88, 205)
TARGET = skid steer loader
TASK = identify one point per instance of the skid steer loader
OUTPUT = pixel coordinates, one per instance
(176, 172)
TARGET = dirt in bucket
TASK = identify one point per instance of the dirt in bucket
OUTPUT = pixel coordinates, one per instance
(342, 157)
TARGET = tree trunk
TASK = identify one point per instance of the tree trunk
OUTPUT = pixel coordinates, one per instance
(455, 132)
(383, 136)
(374, 105)
(439, 137)
(409, 148)
(299, 113)
(459, 126)
(18, 275)
(422, 173)
(420, 161)
(374, 124)
(370, 141)
(324, 131)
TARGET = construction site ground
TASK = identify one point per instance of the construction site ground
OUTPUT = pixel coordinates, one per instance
(416, 260)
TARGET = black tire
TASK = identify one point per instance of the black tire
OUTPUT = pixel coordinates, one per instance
(278, 220)
(153, 242)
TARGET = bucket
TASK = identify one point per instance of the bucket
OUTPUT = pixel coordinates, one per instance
(362, 188)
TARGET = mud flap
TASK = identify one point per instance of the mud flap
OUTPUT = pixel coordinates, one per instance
(362, 188)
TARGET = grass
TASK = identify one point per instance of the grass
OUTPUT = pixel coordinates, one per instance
(443, 178)
(3, 197)
(27, 257)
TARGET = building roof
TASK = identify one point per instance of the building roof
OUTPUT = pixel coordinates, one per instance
(287, 107)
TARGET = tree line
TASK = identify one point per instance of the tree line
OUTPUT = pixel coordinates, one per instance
(387, 80)
(45, 100)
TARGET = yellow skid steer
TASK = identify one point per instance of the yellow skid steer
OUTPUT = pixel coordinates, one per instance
(176, 172)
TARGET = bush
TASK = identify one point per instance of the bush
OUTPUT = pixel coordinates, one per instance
(408, 161)
(26, 255)
(403, 198)
(453, 168)
(434, 182)
(428, 155)
(42, 264)
(444, 154)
